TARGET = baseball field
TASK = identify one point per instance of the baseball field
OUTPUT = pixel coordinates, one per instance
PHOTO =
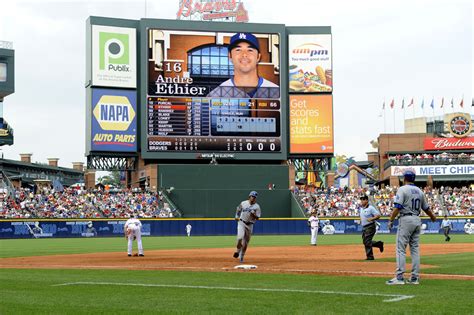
(197, 275)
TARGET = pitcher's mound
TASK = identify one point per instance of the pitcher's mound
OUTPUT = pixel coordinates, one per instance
(245, 267)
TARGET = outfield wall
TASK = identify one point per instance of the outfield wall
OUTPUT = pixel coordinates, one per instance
(200, 227)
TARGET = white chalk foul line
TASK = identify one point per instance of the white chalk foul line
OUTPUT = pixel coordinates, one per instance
(389, 297)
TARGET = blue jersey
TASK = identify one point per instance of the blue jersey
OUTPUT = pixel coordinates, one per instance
(367, 213)
(264, 89)
(410, 200)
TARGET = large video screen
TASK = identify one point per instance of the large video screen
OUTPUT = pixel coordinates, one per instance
(213, 92)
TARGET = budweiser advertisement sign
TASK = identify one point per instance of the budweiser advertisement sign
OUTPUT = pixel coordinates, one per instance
(230, 10)
(449, 143)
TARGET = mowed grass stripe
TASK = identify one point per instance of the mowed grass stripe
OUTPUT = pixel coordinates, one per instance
(33, 291)
(391, 297)
(42, 247)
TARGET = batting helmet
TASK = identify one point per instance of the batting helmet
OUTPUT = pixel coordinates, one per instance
(409, 176)
(253, 194)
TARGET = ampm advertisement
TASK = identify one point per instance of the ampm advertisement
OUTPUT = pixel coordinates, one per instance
(311, 124)
(425, 170)
(174, 227)
(114, 56)
(114, 121)
(310, 63)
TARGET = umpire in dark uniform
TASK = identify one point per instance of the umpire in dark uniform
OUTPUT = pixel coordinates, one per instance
(368, 216)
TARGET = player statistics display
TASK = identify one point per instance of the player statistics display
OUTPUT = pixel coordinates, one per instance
(213, 92)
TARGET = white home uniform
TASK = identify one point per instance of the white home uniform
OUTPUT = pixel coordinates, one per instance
(469, 227)
(133, 229)
(188, 229)
(313, 222)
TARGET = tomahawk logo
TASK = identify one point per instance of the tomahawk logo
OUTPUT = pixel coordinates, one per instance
(114, 52)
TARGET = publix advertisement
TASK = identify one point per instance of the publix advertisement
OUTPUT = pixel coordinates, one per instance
(310, 63)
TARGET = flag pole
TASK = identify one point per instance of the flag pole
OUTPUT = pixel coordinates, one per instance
(393, 108)
(384, 120)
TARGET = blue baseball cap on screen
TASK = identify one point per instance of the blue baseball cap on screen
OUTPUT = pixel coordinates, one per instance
(253, 194)
(244, 37)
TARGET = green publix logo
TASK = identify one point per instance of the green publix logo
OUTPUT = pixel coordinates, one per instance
(114, 52)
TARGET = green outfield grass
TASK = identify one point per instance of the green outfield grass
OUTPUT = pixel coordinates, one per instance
(40, 247)
(104, 291)
(459, 264)
(34, 292)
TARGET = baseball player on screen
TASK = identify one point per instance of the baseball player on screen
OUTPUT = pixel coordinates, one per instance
(409, 202)
(132, 230)
(248, 212)
(244, 53)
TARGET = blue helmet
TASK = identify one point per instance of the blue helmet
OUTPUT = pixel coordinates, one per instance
(409, 176)
(253, 194)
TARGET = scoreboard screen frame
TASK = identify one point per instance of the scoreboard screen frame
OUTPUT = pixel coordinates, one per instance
(218, 27)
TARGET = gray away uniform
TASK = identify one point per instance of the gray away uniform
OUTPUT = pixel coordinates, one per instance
(410, 200)
(245, 225)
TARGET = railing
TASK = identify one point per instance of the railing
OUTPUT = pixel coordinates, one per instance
(174, 209)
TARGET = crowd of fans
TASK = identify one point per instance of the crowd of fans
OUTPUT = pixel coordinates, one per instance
(445, 157)
(331, 202)
(344, 202)
(78, 203)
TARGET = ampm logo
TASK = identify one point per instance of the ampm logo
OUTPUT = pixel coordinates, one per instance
(311, 49)
(114, 113)
(114, 53)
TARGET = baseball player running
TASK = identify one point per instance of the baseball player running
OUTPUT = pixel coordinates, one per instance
(133, 230)
(446, 225)
(313, 223)
(368, 217)
(188, 229)
(248, 212)
(409, 202)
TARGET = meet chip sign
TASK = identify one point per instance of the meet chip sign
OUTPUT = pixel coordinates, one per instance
(114, 122)
(434, 170)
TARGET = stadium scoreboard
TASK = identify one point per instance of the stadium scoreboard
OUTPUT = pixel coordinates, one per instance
(173, 83)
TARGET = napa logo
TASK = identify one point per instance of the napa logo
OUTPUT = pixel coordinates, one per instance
(310, 50)
(114, 52)
(114, 112)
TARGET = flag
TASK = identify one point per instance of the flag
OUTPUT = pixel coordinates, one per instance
(403, 103)
(392, 103)
(423, 103)
(462, 103)
(442, 102)
(452, 102)
(411, 102)
(432, 103)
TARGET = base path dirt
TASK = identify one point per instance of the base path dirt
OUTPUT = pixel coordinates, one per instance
(326, 259)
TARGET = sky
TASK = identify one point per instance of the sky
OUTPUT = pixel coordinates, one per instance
(382, 50)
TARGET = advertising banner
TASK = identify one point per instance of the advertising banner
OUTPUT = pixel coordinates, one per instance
(424, 170)
(114, 56)
(310, 63)
(114, 121)
(213, 92)
(449, 143)
(173, 227)
(311, 124)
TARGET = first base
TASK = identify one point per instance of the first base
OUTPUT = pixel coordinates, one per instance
(245, 267)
